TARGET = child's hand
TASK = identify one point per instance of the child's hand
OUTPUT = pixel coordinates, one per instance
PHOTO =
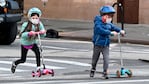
(31, 33)
(114, 33)
(122, 32)
(41, 32)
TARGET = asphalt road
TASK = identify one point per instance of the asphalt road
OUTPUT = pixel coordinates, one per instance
(71, 63)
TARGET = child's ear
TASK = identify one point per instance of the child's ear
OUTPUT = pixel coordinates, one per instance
(104, 17)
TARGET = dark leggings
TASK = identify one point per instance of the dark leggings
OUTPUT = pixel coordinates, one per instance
(24, 51)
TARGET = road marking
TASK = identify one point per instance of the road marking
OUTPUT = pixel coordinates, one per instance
(65, 62)
(36, 82)
(67, 41)
(50, 67)
(113, 45)
(31, 65)
(8, 69)
(80, 82)
(62, 48)
(132, 51)
(113, 82)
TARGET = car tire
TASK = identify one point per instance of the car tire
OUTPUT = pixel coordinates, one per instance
(8, 33)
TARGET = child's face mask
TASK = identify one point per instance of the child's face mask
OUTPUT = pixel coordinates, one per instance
(34, 21)
(108, 20)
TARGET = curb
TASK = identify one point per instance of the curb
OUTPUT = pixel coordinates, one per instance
(123, 40)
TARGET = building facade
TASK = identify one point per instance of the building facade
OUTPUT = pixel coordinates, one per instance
(135, 11)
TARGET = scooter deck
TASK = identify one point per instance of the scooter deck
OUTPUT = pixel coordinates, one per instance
(115, 76)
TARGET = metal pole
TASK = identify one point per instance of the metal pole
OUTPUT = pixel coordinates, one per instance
(41, 49)
(120, 6)
(119, 41)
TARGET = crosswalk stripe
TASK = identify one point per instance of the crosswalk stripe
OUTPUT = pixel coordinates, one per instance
(50, 67)
(8, 69)
(65, 62)
(62, 48)
(81, 82)
(113, 82)
(32, 65)
(41, 82)
(5, 62)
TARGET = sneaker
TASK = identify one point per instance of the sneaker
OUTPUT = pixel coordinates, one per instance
(92, 72)
(13, 67)
(105, 75)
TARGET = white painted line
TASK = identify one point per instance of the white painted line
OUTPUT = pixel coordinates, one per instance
(80, 82)
(8, 69)
(32, 65)
(113, 82)
(5, 62)
(132, 51)
(113, 45)
(62, 48)
(67, 41)
(65, 62)
(40, 82)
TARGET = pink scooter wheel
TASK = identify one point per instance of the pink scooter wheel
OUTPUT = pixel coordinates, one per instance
(33, 74)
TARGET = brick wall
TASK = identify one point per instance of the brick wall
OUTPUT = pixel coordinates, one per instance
(68, 9)
(144, 12)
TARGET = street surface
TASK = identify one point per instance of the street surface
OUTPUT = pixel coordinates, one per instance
(71, 62)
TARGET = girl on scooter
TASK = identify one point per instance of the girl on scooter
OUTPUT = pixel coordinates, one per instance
(28, 37)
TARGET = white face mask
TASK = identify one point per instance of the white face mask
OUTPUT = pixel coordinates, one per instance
(35, 21)
(108, 20)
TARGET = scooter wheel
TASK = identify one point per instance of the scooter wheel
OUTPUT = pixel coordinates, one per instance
(33, 74)
(130, 75)
(39, 73)
(118, 74)
(52, 73)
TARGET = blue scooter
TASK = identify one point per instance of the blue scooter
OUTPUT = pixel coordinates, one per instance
(122, 72)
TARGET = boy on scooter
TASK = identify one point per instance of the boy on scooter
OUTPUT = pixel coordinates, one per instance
(103, 29)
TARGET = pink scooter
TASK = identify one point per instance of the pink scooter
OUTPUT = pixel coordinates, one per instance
(43, 71)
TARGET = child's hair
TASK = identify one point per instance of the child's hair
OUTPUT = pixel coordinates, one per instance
(33, 14)
(29, 25)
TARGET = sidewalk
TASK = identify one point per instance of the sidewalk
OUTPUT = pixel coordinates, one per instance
(135, 33)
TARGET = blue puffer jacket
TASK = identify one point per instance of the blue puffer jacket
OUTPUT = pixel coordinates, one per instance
(102, 32)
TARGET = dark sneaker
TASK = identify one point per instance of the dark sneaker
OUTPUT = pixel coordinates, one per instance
(92, 72)
(105, 75)
(13, 67)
